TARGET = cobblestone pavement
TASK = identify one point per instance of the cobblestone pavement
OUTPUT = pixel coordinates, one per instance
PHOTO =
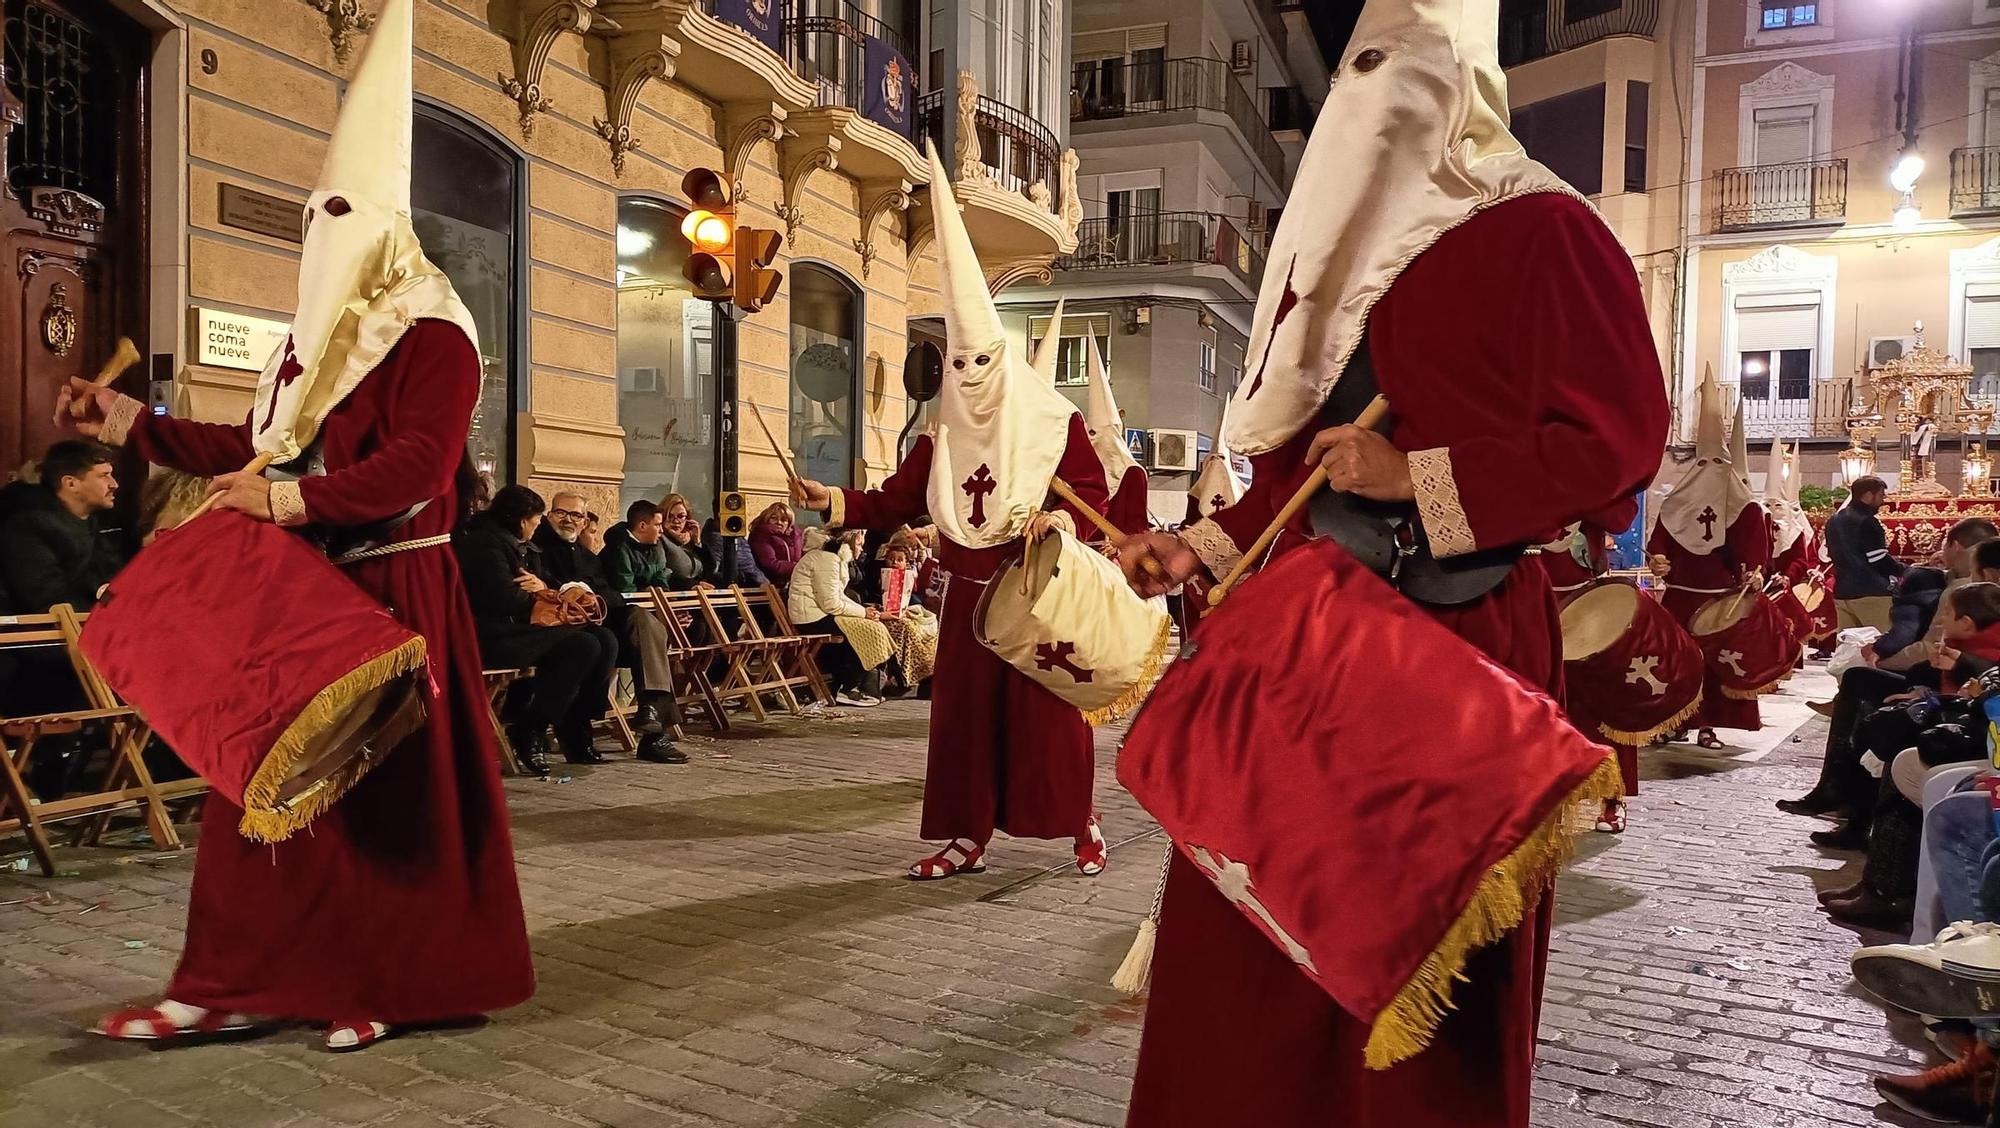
(729, 943)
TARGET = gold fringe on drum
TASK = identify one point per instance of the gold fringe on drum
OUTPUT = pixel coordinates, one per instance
(1135, 694)
(1667, 727)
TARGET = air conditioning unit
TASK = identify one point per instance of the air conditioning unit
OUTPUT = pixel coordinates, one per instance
(1242, 56)
(1884, 351)
(1175, 451)
(643, 379)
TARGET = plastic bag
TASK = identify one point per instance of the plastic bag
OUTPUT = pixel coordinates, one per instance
(1847, 655)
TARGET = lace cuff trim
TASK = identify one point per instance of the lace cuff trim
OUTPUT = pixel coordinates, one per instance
(288, 504)
(1438, 505)
(836, 514)
(1214, 546)
(125, 411)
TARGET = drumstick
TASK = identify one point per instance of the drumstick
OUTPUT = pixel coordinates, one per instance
(256, 466)
(124, 356)
(790, 474)
(1103, 523)
(1369, 418)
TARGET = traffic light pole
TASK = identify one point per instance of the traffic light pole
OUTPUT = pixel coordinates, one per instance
(730, 319)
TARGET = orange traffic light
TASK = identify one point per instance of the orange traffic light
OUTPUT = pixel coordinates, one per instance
(757, 284)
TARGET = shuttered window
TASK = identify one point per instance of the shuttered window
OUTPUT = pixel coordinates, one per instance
(1784, 135)
(1769, 328)
(1982, 322)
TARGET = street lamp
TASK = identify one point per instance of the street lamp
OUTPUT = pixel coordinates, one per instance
(1909, 166)
(1856, 462)
(1906, 216)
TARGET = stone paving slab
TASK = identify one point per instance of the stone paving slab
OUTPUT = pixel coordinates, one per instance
(729, 943)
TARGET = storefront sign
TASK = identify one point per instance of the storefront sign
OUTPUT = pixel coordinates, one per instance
(270, 216)
(233, 340)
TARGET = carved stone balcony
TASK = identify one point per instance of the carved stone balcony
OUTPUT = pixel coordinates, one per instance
(1016, 187)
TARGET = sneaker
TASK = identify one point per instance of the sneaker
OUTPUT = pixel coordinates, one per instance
(1956, 977)
(855, 700)
(1611, 820)
(1958, 1092)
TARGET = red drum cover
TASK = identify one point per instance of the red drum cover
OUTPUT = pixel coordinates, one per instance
(240, 644)
(1377, 796)
(1751, 654)
(1643, 686)
(1795, 613)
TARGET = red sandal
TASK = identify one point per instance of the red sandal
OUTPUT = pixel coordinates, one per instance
(1091, 851)
(157, 1024)
(971, 859)
(1612, 819)
(347, 1037)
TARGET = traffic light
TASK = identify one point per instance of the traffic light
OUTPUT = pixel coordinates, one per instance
(710, 228)
(756, 283)
(732, 514)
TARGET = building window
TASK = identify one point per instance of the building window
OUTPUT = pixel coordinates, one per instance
(1071, 357)
(1982, 341)
(1637, 95)
(667, 377)
(1577, 11)
(1208, 360)
(826, 374)
(1232, 370)
(1566, 133)
(1784, 135)
(1781, 14)
(1774, 352)
(466, 207)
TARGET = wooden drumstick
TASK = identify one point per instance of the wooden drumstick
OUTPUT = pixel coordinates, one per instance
(125, 356)
(1103, 523)
(1370, 416)
(256, 466)
(791, 476)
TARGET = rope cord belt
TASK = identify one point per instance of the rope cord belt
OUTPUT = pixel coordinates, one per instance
(361, 554)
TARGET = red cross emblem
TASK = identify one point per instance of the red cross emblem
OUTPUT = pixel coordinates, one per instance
(288, 371)
(978, 486)
(1707, 520)
(1057, 656)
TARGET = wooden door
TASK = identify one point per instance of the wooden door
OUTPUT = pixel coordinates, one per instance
(73, 200)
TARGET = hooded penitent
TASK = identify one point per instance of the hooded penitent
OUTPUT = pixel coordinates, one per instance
(363, 277)
(1789, 522)
(1739, 459)
(1106, 426)
(1709, 497)
(1050, 347)
(1420, 146)
(1001, 428)
(1216, 485)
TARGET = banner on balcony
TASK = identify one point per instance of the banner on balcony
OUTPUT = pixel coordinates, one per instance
(889, 87)
(760, 18)
(1234, 251)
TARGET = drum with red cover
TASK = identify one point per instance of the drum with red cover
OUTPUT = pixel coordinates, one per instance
(1630, 673)
(1748, 642)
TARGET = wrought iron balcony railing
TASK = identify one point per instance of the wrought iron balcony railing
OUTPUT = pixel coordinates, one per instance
(1018, 151)
(1803, 194)
(1793, 409)
(1975, 181)
(1164, 239)
(826, 41)
(1121, 89)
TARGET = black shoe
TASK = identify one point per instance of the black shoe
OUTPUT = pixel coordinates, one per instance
(1871, 910)
(660, 750)
(647, 721)
(1846, 836)
(531, 748)
(577, 744)
(1811, 803)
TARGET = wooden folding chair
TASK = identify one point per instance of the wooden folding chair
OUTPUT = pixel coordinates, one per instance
(692, 688)
(805, 657)
(617, 718)
(498, 682)
(128, 762)
(736, 684)
(770, 666)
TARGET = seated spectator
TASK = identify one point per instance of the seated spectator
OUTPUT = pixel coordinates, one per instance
(818, 599)
(572, 554)
(54, 550)
(683, 535)
(912, 629)
(573, 664)
(641, 556)
(777, 542)
(719, 548)
(166, 499)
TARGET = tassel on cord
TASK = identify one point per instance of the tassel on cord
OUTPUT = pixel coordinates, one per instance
(1137, 970)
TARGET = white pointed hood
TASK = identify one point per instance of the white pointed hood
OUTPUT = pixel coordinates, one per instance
(1050, 349)
(1708, 498)
(363, 277)
(1216, 485)
(1100, 416)
(1001, 428)
(1412, 142)
(1789, 523)
(1739, 460)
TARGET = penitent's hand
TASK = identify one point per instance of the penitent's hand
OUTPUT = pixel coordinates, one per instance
(1171, 561)
(1360, 461)
(811, 494)
(83, 407)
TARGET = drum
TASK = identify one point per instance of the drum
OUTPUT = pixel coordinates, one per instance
(1063, 615)
(1797, 618)
(264, 667)
(1820, 623)
(1630, 673)
(1748, 643)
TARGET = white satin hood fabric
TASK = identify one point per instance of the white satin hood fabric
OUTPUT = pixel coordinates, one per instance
(1789, 523)
(1698, 511)
(1101, 419)
(1001, 428)
(1413, 141)
(363, 277)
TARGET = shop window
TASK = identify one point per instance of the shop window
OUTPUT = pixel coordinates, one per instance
(667, 376)
(826, 374)
(466, 206)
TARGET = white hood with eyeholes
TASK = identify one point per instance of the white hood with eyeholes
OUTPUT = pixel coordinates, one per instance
(363, 277)
(1710, 496)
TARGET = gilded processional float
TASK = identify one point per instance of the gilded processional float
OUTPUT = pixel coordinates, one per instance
(1923, 401)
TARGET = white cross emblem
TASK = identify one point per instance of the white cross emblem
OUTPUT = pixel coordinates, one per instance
(1642, 671)
(1232, 879)
(1734, 660)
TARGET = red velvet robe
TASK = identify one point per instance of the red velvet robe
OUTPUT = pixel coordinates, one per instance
(1005, 753)
(1571, 579)
(1128, 509)
(1518, 345)
(400, 904)
(1693, 580)
(1795, 563)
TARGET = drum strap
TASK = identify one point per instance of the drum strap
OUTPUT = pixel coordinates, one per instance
(358, 555)
(311, 463)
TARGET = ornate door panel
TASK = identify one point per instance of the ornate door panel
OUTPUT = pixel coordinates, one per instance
(72, 208)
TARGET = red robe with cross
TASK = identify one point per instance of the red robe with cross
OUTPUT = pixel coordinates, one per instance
(1692, 580)
(1516, 355)
(1005, 754)
(399, 904)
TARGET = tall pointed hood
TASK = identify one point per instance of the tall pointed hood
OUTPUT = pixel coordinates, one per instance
(1050, 349)
(1789, 522)
(1100, 415)
(1001, 427)
(1739, 457)
(1412, 142)
(1707, 499)
(363, 277)
(1216, 485)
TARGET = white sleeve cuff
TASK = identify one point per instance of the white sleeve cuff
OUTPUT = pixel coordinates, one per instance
(1438, 505)
(288, 505)
(125, 412)
(1215, 547)
(836, 513)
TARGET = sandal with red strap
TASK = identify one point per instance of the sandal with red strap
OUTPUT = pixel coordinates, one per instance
(1612, 819)
(1091, 851)
(971, 859)
(1708, 739)
(168, 1021)
(347, 1037)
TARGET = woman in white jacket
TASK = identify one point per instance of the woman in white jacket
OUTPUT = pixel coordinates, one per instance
(817, 595)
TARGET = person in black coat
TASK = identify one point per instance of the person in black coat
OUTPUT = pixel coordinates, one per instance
(573, 665)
